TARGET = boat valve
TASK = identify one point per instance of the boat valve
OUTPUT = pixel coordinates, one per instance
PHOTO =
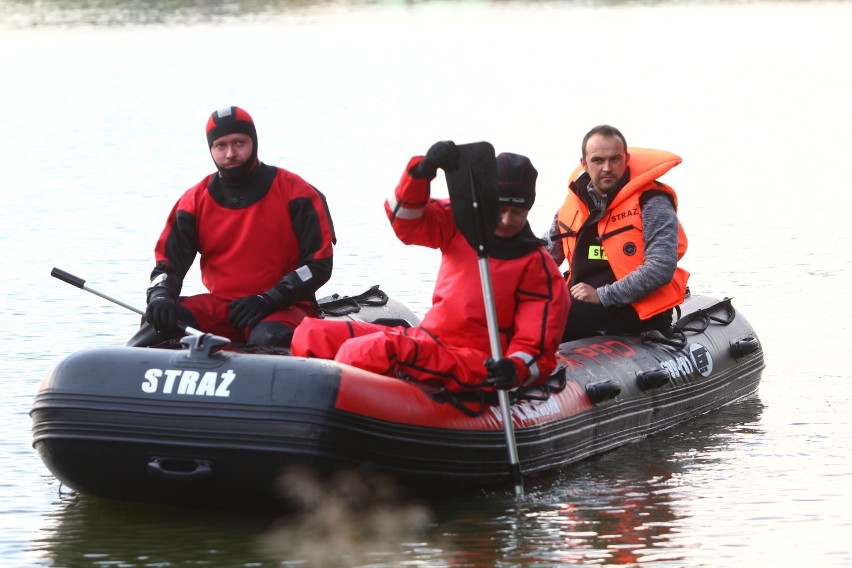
(652, 379)
(203, 346)
(744, 347)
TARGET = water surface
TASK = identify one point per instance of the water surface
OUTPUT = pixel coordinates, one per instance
(102, 129)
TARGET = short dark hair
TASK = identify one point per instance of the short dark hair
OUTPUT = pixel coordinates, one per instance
(604, 130)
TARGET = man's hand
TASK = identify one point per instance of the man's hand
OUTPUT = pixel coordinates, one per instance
(502, 374)
(585, 293)
(162, 312)
(249, 310)
(442, 155)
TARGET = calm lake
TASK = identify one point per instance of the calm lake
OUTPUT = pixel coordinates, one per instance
(102, 128)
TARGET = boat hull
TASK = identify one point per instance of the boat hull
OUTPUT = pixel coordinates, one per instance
(208, 426)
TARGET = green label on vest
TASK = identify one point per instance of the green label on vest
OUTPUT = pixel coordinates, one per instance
(597, 253)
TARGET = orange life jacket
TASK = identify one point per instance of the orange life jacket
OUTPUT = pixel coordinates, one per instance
(620, 228)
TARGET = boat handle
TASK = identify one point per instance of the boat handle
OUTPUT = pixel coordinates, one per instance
(744, 346)
(655, 378)
(179, 469)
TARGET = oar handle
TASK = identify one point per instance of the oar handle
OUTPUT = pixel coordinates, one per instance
(80, 283)
(68, 277)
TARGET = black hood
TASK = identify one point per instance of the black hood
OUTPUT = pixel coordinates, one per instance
(514, 247)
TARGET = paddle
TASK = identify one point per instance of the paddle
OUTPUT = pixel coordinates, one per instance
(80, 283)
(473, 199)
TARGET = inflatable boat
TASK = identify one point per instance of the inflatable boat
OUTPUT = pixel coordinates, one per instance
(210, 423)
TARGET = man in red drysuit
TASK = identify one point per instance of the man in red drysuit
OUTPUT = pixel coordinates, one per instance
(265, 239)
(451, 345)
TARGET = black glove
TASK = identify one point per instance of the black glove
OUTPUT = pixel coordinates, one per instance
(248, 311)
(501, 373)
(442, 155)
(162, 313)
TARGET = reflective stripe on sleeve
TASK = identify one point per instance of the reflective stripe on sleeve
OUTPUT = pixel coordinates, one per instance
(402, 212)
(304, 273)
(530, 363)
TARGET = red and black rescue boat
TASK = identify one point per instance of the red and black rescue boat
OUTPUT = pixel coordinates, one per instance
(211, 424)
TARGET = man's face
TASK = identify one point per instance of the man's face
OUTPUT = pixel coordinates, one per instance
(605, 161)
(511, 220)
(231, 150)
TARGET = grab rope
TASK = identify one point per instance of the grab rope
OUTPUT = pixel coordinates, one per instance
(694, 322)
(341, 306)
(704, 317)
(475, 402)
(472, 403)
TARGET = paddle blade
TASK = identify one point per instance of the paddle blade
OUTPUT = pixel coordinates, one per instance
(473, 194)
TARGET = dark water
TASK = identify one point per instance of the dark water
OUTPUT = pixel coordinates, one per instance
(101, 129)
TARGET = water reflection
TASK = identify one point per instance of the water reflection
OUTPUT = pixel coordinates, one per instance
(347, 519)
(598, 511)
(83, 532)
(595, 512)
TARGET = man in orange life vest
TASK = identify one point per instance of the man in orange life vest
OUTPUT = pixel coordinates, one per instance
(265, 238)
(618, 229)
(450, 346)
